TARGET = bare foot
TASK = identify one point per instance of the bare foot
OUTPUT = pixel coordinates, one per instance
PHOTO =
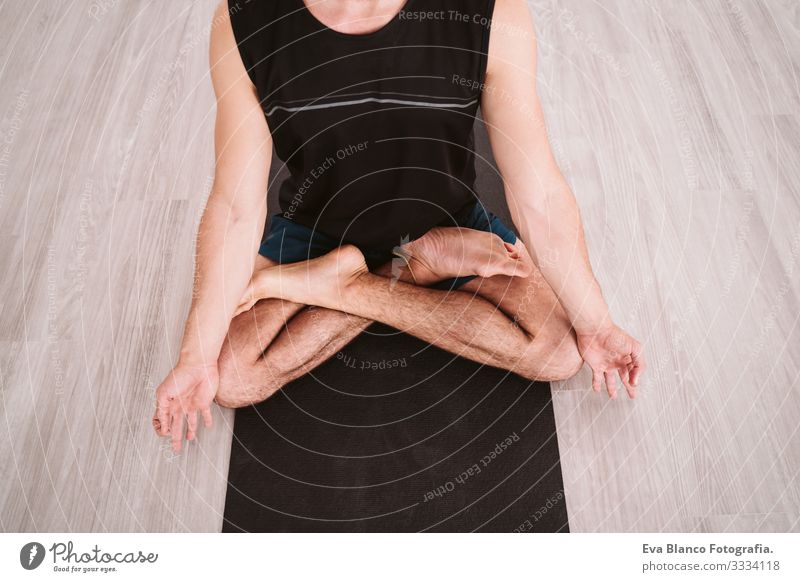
(319, 282)
(446, 252)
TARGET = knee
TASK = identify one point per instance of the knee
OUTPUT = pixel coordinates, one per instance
(237, 392)
(565, 362)
(229, 391)
(237, 387)
(230, 396)
(552, 357)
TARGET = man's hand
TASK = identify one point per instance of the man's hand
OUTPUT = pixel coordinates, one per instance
(609, 352)
(186, 390)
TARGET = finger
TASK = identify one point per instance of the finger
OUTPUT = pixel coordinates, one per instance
(176, 430)
(611, 384)
(162, 413)
(207, 420)
(638, 368)
(624, 374)
(597, 381)
(512, 250)
(636, 376)
(191, 419)
(164, 401)
(158, 425)
(624, 360)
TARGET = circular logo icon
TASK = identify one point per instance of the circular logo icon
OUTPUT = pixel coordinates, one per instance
(31, 555)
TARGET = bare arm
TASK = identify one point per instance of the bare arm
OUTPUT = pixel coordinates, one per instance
(227, 241)
(233, 220)
(541, 203)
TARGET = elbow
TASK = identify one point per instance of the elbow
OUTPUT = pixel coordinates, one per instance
(543, 206)
(235, 212)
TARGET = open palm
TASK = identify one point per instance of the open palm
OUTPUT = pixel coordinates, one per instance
(185, 391)
(611, 352)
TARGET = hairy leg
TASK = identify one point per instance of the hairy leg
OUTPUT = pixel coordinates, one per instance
(511, 322)
(275, 341)
(495, 332)
(278, 341)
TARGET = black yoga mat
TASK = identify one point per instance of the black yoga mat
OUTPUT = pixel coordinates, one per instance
(394, 435)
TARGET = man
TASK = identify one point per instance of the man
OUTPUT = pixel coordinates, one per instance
(259, 320)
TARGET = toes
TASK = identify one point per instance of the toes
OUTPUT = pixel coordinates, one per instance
(517, 268)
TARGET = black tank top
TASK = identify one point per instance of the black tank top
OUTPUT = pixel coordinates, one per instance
(376, 129)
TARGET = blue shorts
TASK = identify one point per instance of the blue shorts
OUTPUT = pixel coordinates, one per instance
(289, 242)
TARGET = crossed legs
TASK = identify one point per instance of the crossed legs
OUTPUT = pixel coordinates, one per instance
(315, 308)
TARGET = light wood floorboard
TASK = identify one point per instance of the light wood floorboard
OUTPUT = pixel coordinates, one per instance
(676, 122)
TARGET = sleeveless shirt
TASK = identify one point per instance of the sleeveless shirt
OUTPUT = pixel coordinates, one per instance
(376, 129)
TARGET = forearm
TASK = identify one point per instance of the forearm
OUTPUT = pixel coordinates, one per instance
(227, 242)
(550, 224)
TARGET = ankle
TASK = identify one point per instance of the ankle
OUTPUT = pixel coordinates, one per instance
(420, 274)
(410, 265)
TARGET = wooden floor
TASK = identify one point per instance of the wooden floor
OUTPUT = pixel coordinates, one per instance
(677, 124)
